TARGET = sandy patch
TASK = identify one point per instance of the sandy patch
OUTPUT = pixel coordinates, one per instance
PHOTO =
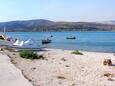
(61, 68)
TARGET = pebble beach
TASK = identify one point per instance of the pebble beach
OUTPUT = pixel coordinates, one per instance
(62, 68)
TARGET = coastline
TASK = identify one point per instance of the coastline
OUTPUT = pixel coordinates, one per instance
(61, 68)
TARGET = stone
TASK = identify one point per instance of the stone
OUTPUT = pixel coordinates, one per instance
(107, 62)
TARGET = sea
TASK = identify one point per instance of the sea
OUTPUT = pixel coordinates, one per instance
(85, 41)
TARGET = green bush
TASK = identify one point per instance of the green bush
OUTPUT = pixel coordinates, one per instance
(28, 54)
(77, 52)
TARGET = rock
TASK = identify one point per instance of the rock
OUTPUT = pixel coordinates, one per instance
(107, 62)
(1, 49)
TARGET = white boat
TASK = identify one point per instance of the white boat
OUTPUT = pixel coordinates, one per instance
(26, 45)
(16, 43)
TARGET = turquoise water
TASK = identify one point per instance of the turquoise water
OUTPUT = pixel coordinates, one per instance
(86, 41)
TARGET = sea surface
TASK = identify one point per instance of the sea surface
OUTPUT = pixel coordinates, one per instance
(85, 41)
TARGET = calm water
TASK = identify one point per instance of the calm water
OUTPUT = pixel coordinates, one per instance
(87, 41)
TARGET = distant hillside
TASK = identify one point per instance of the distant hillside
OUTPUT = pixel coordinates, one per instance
(46, 25)
(108, 22)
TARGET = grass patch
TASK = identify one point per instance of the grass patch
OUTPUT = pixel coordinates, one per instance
(77, 52)
(28, 54)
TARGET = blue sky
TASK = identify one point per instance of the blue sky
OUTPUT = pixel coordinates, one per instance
(57, 10)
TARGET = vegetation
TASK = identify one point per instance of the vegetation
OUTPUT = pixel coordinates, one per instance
(77, 52)
(28, 54)
(61, 77)
(108, 75)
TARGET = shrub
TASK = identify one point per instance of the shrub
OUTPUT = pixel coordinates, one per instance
(108, 75)
(77, 52)
(61, 77)
(28, 54)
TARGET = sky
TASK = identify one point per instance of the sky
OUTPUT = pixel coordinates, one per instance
(57, 10)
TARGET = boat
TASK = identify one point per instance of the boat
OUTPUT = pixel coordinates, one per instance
(51, 36)
(46, 41)
(72, 37)
(4, 39)
(3, 36)
(25, 45)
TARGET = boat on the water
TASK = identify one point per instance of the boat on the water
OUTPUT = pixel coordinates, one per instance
(51, 36)
(72, 37)
(25, 45)
(2, 37)
(46, 41)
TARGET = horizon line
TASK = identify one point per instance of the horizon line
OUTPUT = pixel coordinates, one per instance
(52, 20)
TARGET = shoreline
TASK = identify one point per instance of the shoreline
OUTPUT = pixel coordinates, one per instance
(82, 50)
(61, 68)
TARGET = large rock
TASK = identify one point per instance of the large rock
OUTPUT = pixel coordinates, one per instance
(107, 62)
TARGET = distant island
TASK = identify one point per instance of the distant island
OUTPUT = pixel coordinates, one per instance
(47, 25)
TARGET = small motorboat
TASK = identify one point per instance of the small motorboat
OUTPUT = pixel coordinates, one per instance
(51, 36)
(72, 37)
(46, 41)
